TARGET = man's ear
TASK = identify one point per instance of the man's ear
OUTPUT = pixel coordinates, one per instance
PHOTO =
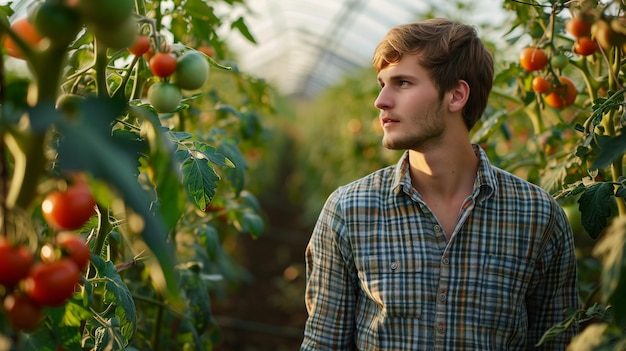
(460, 95)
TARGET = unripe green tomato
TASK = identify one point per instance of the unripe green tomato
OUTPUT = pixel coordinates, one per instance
(119, 37)
(164, 96)
(559, 61)
(192, 71)
(56, 21)
(107, 13)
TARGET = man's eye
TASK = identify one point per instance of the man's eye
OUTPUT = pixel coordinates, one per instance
(403, 83)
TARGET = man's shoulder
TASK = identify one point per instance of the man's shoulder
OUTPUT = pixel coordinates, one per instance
(513, 185)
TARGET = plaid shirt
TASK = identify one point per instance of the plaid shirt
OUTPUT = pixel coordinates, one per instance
(382, 275)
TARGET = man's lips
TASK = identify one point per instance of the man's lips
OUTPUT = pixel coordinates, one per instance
(385, 121)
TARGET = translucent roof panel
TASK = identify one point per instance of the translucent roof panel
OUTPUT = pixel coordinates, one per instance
(304, 46)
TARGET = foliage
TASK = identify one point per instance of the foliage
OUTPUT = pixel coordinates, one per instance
(170, 187)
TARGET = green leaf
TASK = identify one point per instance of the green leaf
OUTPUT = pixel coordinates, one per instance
(253, 224)
(210, 152)
(199, 180)
(595, 207)
(236, 175)
(610, 151)
(240, 25)
(118, 294)
(611, 252)
(86, 144)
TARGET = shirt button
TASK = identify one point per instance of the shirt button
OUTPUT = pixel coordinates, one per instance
(441, 328)
(437, 229)
(393, 265)
(442, 296)
(445, 260)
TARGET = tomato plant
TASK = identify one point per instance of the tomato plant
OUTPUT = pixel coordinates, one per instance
(69, 209)
(51, 284)
(533, 59)
(163, 64)
(15, 262)
(90, 106)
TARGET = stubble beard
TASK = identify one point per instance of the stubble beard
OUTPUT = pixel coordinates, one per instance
(428, 136)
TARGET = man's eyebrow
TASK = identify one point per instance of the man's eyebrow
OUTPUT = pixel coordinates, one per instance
(397, 77)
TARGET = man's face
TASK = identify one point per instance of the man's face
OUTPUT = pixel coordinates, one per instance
(411, 113)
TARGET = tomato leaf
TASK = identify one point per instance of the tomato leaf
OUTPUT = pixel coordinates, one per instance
(240, 25)
(86, 144)
(235, 175)
(610, 150)
(211, 154)
(595, 207)
(611, 251)
(253, 224)
(199, 180)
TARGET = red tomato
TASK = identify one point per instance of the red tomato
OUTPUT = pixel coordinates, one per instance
(141, 45)
(23, 312)
(533, 59)
(74, 247)
(51, 284)
(69, 209)
(163, 64)
(15, 262)
(541, 85)
(25, 30)
(562, 96)
(578, 27)
(585, 46)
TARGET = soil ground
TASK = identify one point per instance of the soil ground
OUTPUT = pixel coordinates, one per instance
(267, 313)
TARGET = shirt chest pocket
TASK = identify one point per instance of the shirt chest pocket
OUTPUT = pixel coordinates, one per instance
(395, 286)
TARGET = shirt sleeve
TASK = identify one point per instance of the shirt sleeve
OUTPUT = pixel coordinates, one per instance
(330, 294)
(557, 288)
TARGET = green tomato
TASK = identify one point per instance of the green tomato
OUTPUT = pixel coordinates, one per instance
(559, 61)
(192, 71)
(56, 21)
(164, 96)
(107, 13)
(119, 37)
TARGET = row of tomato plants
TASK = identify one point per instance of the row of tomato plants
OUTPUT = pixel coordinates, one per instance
(124, 170)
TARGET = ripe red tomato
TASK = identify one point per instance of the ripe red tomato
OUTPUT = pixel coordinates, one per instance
(140, 46)
(541, 85)
(25, 30)
(562, 96)
(533, 59)
(69, 209)
(23, 312)
(585, 46)
(578, 27)
(74, 247)
(51, 284)
(15, 262)
(163, 64)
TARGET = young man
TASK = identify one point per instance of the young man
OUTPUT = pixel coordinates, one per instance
(443, 251)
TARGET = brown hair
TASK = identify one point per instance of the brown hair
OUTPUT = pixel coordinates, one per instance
(450, 51)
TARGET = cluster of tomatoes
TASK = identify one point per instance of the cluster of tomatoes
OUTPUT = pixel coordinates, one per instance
(59, 21)
(31, 285)
(558, 93)
(175, 71)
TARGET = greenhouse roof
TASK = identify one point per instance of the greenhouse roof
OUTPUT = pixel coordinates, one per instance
(304, 46)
